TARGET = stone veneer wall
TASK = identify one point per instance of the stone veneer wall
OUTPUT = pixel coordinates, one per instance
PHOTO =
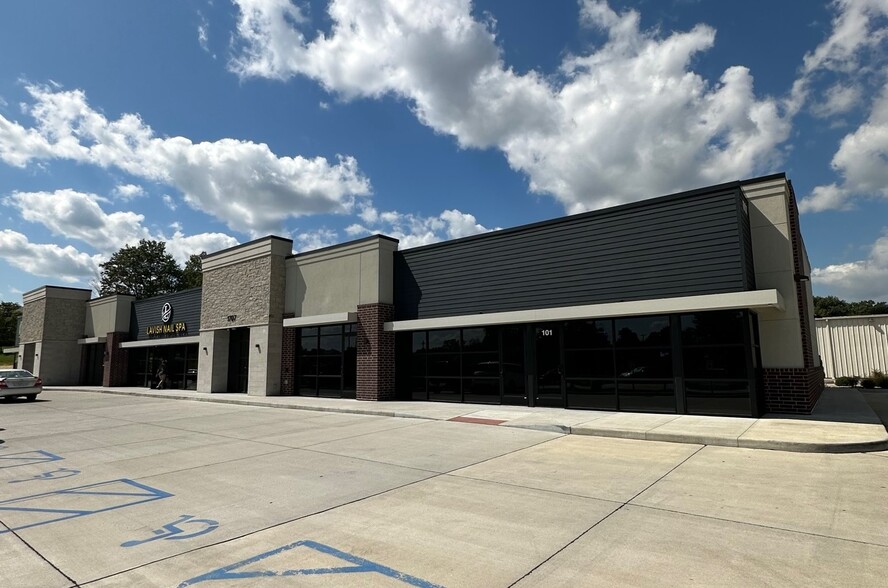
(796, 390)
(65, 319)
(116, 360)
(32, 321)
(243, 290)
(376, 353)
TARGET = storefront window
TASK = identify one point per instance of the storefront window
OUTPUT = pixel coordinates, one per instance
(589, 365)
(326, 364)
(644, 364)
(717, 362)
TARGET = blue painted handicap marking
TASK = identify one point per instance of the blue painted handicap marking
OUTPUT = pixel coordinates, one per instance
(80, 501)
(50, 475)
(11, 460)
(358, 565)
(174, 532)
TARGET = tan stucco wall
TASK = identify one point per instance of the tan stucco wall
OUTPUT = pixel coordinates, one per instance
(779, 331)
(338, 279)
(108, 315)
(57, 362)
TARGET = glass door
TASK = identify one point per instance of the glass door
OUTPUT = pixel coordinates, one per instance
(238, 359)
(549, 380)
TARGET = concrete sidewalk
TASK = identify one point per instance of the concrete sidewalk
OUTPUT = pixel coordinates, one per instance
(842, 421)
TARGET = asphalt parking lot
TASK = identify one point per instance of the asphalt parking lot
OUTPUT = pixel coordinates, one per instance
(103, 490)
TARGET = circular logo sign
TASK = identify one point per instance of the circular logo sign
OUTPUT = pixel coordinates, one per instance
(166, 312)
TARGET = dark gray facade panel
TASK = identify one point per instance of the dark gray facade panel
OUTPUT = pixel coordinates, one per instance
(680, 245)
(147, 313)
(746, 235)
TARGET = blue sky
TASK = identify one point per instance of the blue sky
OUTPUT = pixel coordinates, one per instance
(208, 123)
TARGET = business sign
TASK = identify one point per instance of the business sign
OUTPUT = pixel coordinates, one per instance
(167, 325)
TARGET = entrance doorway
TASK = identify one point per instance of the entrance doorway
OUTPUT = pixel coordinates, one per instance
(92, 364)
(549, 367)
(238, 360)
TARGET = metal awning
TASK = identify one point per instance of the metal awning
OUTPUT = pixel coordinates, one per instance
(707, 302)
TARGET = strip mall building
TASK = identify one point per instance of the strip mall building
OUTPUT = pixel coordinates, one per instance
(696, 303)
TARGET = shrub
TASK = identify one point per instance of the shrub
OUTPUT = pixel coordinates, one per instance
(847, 380)
(879, 379)
(868, 383)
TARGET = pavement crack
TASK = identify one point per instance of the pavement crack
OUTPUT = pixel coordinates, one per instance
(613, 512)
(74, 583)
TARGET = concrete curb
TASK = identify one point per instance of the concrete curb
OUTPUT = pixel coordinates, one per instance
(874, 443)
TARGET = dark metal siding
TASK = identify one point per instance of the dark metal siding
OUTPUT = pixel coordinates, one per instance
(746, 239)
(679, 245)
(186, 307)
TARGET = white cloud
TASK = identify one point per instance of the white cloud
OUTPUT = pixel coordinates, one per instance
(625, 121)
(311, 240)
(79, 216)
(241, 183)
(838, 99)
(412, 230)
(168, 200)
(203, 32)
(856, 31)
(48, 260)
(861, 161)
(854, 56)
(181, 247)
(128, 191)
(865, 279)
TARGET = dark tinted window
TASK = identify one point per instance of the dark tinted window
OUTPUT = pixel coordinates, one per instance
(444, 340)
(715, 362)
(646, 331)
(480, 339)
(713, 328)
(588, 334)
(644, 363)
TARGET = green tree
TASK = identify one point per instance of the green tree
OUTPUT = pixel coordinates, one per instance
(144, 270)
(10, 312)
(827, 306)
(867, 307)
(192, 276)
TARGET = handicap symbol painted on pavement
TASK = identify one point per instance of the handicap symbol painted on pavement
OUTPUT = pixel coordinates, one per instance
(359, 566)
(172, 532)
(52, 507)
(50, 475)
(11, 460)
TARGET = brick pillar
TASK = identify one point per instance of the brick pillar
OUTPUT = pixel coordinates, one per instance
(376, 353)
(288, 359)
(116, 360)
(796, 390)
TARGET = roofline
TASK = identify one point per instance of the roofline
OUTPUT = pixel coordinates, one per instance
(343, 244)
(735, 185)
(248, 243)
(56, 288)
(169, 294)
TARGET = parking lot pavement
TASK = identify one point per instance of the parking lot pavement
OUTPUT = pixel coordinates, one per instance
(101, 490)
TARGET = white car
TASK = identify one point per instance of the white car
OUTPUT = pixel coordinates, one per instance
(19, 383)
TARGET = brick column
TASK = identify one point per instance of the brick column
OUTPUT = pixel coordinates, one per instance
(376, 353)
(116, 360)
(288, 359)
